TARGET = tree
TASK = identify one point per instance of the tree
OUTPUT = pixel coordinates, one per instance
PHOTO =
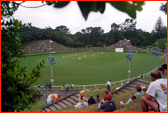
(16, 86)
(98, 6)
(159, 25)
(99, 43)
(163, 8)
(62, 28)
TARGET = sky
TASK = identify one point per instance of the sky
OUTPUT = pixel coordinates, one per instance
(71, 16)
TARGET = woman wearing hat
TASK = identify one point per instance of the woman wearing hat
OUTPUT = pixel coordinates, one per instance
(81, 102)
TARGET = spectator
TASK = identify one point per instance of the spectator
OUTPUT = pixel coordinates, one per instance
(112, 94)
(163, 69)
(139, 92)
(67, 87)
(49, 86)
(108, 85)
(122, 104)
(106, 95)
(81, 102)
(72, 86)
(97, 100)
(156, 94)
(49, 100)
(91, 100)
(58, 98)
(44, 86)
(108, 106)
(38, 86)
(141, 76)
(63, 86)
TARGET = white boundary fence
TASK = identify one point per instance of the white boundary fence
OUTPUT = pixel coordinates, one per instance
(97, 85)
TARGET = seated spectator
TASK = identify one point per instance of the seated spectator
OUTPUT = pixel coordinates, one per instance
(91, 100)
(156, 94)
(81, 102)
(108, 106)
(49, 100)
(122, 104)
(97, 100)
(139, 92)
(58, 98)
(112, 94)
(106, 95)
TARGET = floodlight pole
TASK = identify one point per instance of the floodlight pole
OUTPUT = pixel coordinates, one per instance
(165, 53)
(129, 63)
(156, 54)
(51, 65)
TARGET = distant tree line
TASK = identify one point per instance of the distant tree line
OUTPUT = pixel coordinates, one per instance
(95, 36)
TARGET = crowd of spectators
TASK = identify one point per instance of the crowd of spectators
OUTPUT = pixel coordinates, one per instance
(122, 44)
(44, 45)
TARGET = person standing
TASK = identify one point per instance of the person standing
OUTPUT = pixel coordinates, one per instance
(38, 86)
(108, 85)
(163, 69)
(72, 87)
(67, 87)
(44, 86)
(49, 86)
(156, 94)
(63, 86)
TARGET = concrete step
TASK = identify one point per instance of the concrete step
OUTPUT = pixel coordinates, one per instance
(72, 101)
(86, 99)
(129, 88)
(53, 108)
(144, 82)
(124, 90)
(67, 102)
(62, 104)
(119, 92)
(138, 83)
(132, 85)
(57, 106)
(78, 95)
(48, 109)
(74, 97)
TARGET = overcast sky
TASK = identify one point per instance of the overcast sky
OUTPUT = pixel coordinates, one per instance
(71, 16)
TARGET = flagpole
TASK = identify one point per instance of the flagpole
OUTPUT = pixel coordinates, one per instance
(129, 62)
(165, 53)
(156, 54)
(51, 65)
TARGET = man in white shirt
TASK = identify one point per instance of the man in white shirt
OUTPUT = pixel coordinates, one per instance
(108, 85)
(158, 91)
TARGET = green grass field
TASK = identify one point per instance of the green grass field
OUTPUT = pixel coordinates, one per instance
(97, 69)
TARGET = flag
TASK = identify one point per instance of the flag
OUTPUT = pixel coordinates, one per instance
(129, 57)
(51, 60)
